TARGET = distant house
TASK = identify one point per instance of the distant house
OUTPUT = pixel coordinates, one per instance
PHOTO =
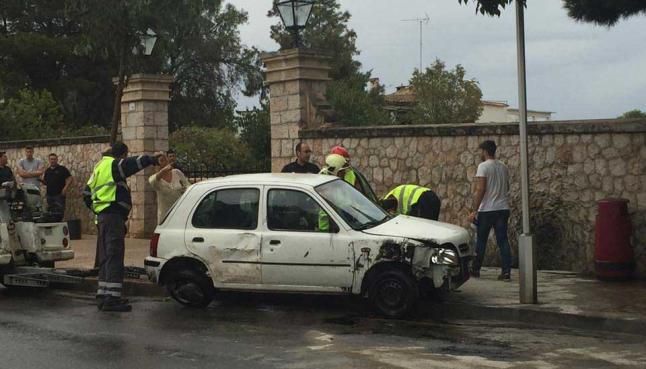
(402, 101)
(499, 111)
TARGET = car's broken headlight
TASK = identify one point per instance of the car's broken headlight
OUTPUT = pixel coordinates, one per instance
(444, 257)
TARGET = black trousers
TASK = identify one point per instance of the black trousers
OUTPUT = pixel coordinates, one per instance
(111, 251)
(428, 206)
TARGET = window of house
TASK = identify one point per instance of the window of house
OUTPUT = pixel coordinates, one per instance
(291, 210)
(228, 209)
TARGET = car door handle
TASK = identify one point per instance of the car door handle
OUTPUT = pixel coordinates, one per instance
(198, 239)
(274, 242)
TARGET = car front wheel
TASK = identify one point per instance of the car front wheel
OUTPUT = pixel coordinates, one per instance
(190, 288)
(394, 293)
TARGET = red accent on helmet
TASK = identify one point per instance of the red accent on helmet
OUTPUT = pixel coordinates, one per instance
(340, 150)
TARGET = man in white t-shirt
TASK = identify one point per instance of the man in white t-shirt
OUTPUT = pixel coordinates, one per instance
(30, 169)
(491, 208)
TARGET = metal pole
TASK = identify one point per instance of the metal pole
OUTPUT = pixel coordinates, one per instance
(527, 264)
(420, 46)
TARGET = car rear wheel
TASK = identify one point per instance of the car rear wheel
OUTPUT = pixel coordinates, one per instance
(190, 288)
(394, 293)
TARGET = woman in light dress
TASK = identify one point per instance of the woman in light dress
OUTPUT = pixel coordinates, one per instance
(170, 184)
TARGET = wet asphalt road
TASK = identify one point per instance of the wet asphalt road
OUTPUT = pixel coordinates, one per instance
(64, 330)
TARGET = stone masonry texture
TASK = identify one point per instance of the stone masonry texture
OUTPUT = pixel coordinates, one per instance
(79, 155)
(572, 165)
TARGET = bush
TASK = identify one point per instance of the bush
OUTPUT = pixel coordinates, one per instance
(212, 148)
(35, 114)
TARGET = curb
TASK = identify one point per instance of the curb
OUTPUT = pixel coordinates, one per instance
(461, 311)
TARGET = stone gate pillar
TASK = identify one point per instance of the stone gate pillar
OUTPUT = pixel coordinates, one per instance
(144, 128)
(297, 80)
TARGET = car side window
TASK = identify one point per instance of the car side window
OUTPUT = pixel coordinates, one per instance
(291, 210)
(228, 209)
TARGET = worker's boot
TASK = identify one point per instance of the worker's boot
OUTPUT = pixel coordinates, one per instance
(116, 304)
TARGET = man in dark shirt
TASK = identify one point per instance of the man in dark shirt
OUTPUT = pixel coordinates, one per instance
(6, 175)
(302, 163)
(58, 180)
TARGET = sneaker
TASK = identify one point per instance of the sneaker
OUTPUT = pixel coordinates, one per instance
(475, 273)
(116, 304)
(505, 277)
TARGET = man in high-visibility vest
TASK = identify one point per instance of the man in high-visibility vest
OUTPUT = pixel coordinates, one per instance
(353, 176)
(413, 200)
(108, 196)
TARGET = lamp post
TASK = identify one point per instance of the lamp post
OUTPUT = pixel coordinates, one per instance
(294, 14)
(526, 253)
(147, 41)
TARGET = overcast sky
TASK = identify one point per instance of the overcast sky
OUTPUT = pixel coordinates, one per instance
(576, 70)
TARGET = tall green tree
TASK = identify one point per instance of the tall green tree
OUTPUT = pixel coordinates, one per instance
(602, 12)
(255, 133)
(73, 48)
(445, 96)
(633, 114)
(348, 94)
(327, 30)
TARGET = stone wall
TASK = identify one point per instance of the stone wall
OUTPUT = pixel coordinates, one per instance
(79, 155)
(572, 164)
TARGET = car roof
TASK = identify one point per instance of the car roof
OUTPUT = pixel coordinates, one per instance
(272, 178)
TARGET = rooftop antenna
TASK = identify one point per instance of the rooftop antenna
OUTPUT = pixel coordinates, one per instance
(421, 21)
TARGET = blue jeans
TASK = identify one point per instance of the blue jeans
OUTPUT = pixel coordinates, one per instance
(498, 220)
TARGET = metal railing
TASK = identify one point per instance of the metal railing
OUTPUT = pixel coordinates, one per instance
(201, 173)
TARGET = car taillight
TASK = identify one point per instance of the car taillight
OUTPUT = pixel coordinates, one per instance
(65, 242)
(154, 241)
(65, 231)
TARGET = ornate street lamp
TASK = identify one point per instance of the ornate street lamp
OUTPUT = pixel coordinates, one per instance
(148, 40)
(294, 14)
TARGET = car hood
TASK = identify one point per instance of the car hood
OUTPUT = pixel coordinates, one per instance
(421, 229)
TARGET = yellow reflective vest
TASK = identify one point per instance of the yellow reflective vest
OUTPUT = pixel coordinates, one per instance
(102, 185)
(406, 196)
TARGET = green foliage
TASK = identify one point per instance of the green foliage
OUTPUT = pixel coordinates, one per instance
(73, 48)
(489, 7)
(213, 148)
(445, 96)
(255, 133)
(327, 30)
(602, 12)
(633, 114)
(354, 105)
(35, 114)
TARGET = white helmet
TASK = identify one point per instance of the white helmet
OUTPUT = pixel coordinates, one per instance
(333, 164)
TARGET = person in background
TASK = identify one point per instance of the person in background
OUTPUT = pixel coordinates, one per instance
(335, 165)
(108, 196)
(169, 183)
(413, 200)
(172, 160)
(491, 208)
(58, 180)
(302, 163)
(6, 175)
(29, 168)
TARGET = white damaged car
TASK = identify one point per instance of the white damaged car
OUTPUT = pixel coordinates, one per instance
(301, 233)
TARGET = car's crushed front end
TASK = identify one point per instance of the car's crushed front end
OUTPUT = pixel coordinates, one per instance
(439, 254)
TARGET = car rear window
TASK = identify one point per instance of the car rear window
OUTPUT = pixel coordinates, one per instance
(228, 209)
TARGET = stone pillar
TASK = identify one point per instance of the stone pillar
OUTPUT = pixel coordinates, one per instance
(144, 128)
(297, 80)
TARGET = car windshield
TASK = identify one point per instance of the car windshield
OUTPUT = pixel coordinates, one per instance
(356, 209)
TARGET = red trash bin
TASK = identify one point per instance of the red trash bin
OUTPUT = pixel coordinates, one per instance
(613, 255)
